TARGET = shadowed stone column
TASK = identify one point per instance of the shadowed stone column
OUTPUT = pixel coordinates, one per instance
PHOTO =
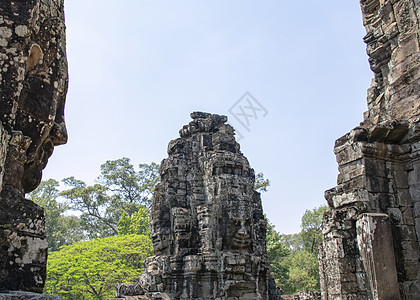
(374, 238)
(33, 86)
(378, 164)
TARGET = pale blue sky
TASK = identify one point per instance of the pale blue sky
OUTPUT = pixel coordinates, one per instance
(139, 68)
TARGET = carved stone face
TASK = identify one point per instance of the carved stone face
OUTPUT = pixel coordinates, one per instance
(181, 219)
(160, 238)
(237, 234)
(41, 118)
(159, 241)
(36, 84)
(242, 237)
(41, 110)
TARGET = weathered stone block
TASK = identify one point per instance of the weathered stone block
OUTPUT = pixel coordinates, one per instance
(349, 198)
(404, 198)
(411, 268)
(411, 289)
(375, 167)
(401, 178)
(348, 286)
(376, 248)
(347, 154)
(414, 191)
(350, 171)
(407, 216)
(395, 215)
(377, 184)
(414, 174)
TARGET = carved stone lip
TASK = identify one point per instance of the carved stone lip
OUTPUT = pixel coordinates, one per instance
(241, 241)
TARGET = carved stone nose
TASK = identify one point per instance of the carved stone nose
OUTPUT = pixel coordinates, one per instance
(58, 134)
(242, 231)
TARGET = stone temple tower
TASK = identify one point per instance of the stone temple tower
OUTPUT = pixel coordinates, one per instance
(207, 224)
(371, 234)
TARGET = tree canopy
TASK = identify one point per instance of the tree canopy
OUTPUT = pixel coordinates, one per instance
(91, 269)
(120, 191)
(60, 229)
(82, 212)
(311, 228)
(138, 223)
(294, 262)
(261, 184)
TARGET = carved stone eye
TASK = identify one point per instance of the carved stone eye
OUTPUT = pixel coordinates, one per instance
(35, 57)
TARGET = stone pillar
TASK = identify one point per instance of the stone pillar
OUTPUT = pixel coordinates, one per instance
(374, 238)
(413, 170)
(33, 87)
(378, 168)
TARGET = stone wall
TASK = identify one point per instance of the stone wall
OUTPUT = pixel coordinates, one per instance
(370, 247)
(33, 78)
(207, 224)
(392, 40)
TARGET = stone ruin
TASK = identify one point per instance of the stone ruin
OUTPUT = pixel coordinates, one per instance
(208, 228)
(207, 224)
(370, 247)
(33, 81)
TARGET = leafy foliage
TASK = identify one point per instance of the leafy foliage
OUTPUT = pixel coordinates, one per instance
(296, 269)
(121, 191)
(293, 241)
(136, 224)
(131, 188)
(261, 184)
(118, 203)
(277, 252)
(60, 229)
(303, 270)
(98, 212)
(311, 228)
(90, 269)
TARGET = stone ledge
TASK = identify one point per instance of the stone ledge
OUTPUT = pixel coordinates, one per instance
(12, 295)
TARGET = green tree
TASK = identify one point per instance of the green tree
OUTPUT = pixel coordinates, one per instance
(311, 228)
(91, 269)
(261, 184)
(131, 188)
(292, 241)
(120, 189)
(277, 252)
(303, 272)
(136, 224)
(98, 213)
(297, 270)
(59, 229)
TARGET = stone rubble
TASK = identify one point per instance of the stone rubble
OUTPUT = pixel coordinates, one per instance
(207, 224)
(370, 247)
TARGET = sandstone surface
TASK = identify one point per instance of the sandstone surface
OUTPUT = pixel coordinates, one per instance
(207, 224)
(370, 247)
(33, 86)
